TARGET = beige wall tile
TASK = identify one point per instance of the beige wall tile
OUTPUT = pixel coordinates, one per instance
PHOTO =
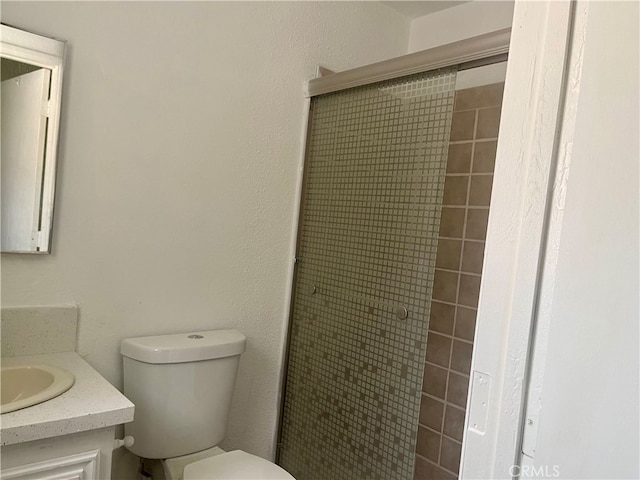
(450, 454)
(457, 389)
(423, 470)
(488, 122)
(435, 381)
(448, 255)
(455, 190)
(459, 158)
(438, 349)
(452, 222)
(441, 474)
(445, 286)
(427, 471)
(484, 156)
(431, 411)
(472, 257)
(428, 443)
(453, 422)
(461, 356)
(462, 125)
(469, 290)
(465, 323)
(441, 317)
(476, 226)
(480, 190)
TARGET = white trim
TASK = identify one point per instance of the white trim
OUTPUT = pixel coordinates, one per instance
(525, 160)
(48, 53)
(30, 42)
(537, 362)
(463, 51)
(323, 71)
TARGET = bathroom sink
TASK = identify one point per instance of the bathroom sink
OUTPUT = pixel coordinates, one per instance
(26, 385)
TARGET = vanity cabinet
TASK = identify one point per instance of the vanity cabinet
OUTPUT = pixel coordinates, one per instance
(71, 436)
(79, 456)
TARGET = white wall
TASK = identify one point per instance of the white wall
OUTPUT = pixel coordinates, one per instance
(587, 348)
(457, 23)
(179, 157)
(582, 292)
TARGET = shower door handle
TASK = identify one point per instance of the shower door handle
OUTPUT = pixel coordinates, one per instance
(401, 312)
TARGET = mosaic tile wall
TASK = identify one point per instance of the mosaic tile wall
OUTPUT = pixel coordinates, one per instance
(463, 228)
(367, 248)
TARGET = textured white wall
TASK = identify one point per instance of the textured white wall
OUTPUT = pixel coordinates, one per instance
(457, 23)
(588, 353)
(179, 156)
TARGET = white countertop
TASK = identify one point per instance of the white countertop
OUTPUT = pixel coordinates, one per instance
(91, 403)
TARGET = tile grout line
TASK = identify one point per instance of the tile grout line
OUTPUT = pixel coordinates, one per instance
(478, 140)
(452, 336)
(461, 272)
(446, 402)
(427, 427)
(476, 174)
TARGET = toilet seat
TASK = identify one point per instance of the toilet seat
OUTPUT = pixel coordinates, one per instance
(235, 465)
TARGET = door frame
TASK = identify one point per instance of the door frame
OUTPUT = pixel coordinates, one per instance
(524, 177)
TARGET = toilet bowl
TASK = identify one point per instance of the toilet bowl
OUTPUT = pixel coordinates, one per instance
(235, 465)
(182, 386)
(215, 463)
(173, 468)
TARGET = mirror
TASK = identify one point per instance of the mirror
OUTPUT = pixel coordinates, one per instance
(31, 76)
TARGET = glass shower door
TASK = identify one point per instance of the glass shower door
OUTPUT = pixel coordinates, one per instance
(367, 241)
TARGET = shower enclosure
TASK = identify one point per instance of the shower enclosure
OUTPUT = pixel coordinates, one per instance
(369, 271)
(366, 257)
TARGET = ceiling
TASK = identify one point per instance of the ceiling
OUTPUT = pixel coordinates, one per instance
(420, 8)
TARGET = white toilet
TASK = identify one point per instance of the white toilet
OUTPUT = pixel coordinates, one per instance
(181, 386)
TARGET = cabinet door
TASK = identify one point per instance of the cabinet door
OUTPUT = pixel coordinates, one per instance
(82, 466)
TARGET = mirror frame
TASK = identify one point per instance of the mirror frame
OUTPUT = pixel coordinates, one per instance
(49, 53)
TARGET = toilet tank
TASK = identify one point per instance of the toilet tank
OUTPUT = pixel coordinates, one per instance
(181, 386)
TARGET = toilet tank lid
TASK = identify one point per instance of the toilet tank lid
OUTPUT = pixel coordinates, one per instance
(184, 347)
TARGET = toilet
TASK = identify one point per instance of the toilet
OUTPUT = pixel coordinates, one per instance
(181, 386)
